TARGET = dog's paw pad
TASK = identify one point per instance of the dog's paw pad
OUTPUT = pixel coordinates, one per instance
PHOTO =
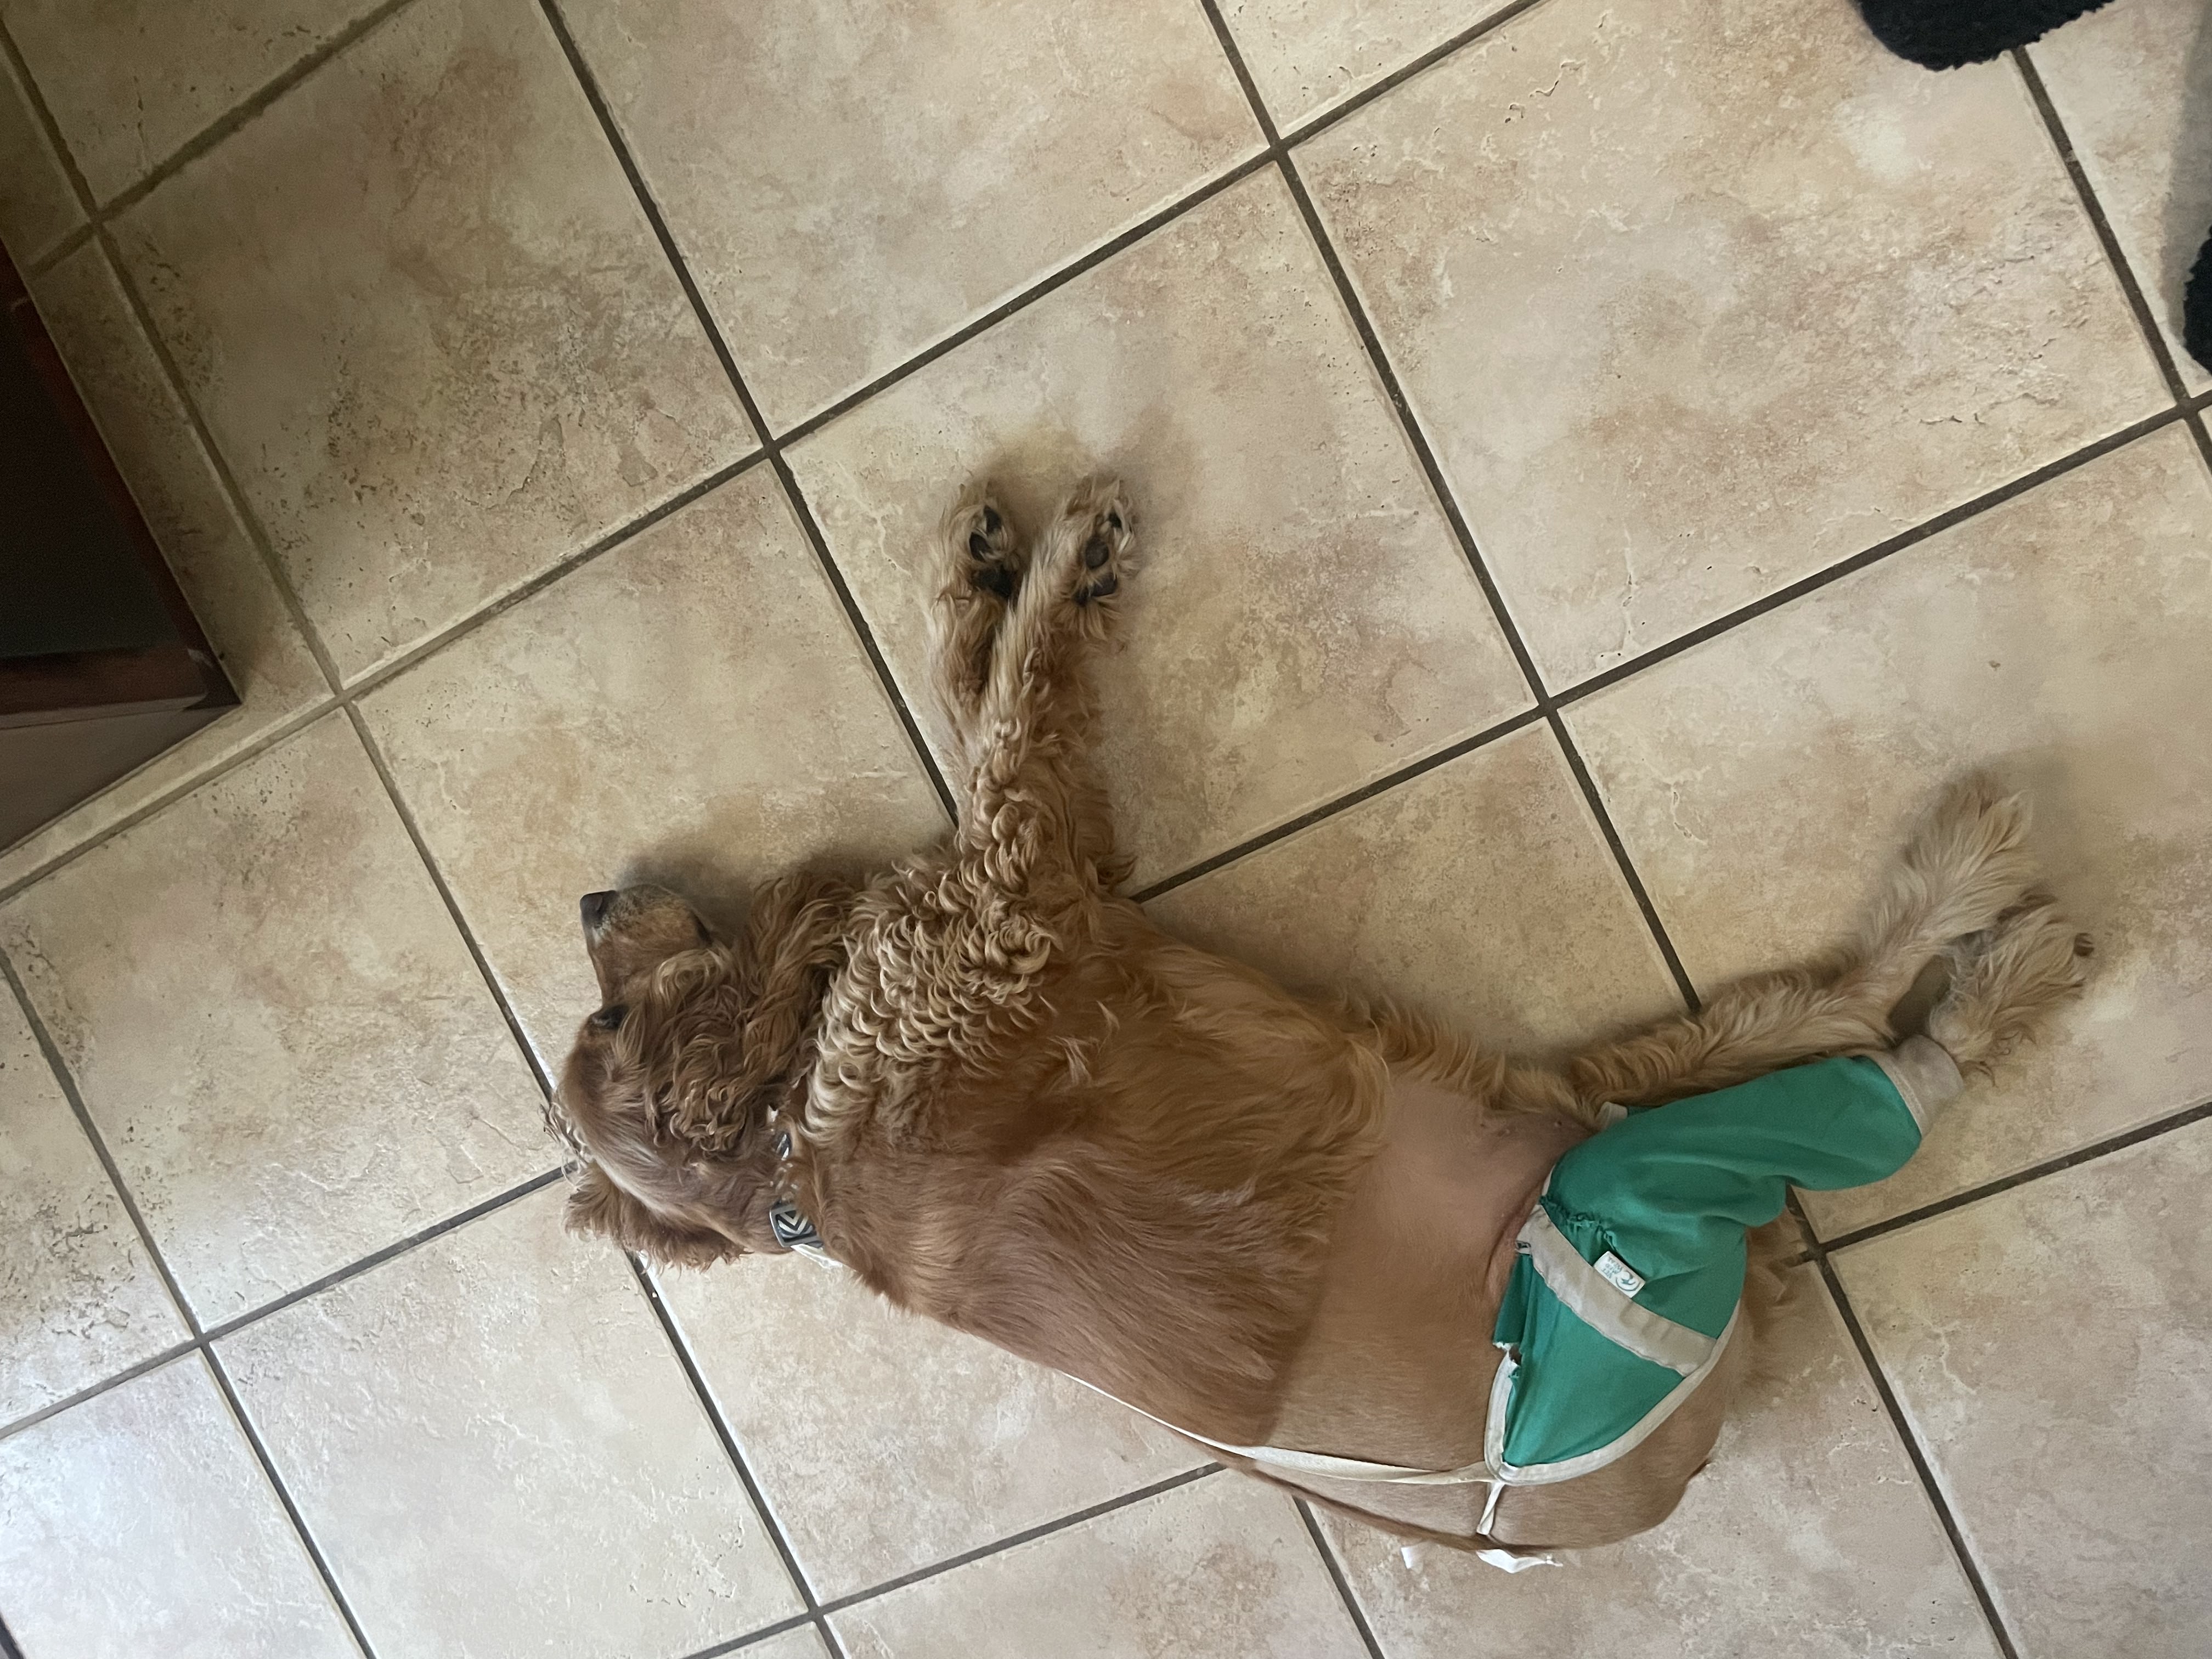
(980, 531)
(1107, 543)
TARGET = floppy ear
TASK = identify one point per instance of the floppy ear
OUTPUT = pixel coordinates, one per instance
(596, 1206)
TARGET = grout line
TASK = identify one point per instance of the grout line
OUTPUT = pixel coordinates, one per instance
(2146, 320)
(1618, 848)
(8, 1648)
(754, 1638)
(258, 746)
(1946, 519)
(1316, 124)
(1028, 1535)
(1336, 1577)
(214, 1333)
(770, 445)
(99, 214)
(1424, 453)
(280, 578)
(93, 1390)
(67, 1082)
(1659, 654)
(670, 1329)
(399, 1247)
(283, 1496)
(1329, 808)
(373, 679)
(1912, 1449)
(367, 740)
(1120, 242)
(92, 1132)
(2088, 1154)
(2154, 336)
(377, 678)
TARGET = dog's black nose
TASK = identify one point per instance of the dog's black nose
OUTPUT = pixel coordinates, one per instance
(594, 907)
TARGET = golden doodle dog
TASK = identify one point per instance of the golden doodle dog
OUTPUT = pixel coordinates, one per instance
(996, 1092)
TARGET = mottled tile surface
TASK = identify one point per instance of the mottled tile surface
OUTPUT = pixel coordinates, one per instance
(1760, 781)
(1683, 300)
(1301, 622)
(1698, 296)
(224, 579)
(79, 1300)
(131, 82)
(1481, 892)
(801, 1644)
(957, 1444)
(690, 707)
(1221, 1567)
(495, 1445)
(2133, 85)
(1306, 55)
(852, 183)
(138, 1523)
(1808, 1536)
(2052, 1346)
(429, 326)
(37, 206)
(274, 1023)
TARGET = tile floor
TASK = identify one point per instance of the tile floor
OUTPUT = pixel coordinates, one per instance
(1604, 462)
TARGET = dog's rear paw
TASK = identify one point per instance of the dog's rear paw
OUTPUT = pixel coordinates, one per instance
(2008, 978)
(1098, 518)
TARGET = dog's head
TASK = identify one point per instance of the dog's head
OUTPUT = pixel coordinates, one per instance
(660, 1097)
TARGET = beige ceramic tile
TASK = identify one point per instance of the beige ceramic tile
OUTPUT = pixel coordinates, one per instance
(691, 707)
(224, 579)
(138, 1523)
(494, 1445)
(428, 326)
(1305, 55)
(276, 1025)
(130, 81)
(79, 1300)
(1222, 1566)
(800, 1643)
(2052, 1348)
(1762, 781)
(1481, 892)
(37, 206)
(1809, 1535)
(1302, 621)
(852, 183)
(2133, 85)
(955, 1442)
(1698, 296)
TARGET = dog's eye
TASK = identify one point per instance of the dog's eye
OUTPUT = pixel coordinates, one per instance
(610, 1018)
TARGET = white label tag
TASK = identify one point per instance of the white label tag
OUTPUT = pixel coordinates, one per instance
(1619, 1274)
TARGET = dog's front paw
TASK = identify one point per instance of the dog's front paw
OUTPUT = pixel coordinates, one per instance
(1101, 526)
(982, 543)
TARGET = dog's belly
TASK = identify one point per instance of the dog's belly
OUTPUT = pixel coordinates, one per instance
(1397, 1364)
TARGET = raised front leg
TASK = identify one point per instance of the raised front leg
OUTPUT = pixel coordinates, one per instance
(980, 564)
(1035, 808)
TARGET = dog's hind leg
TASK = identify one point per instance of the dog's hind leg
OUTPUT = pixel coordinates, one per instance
(1033, 797)
(2006, 979)
(980, 560)
(1961, 874)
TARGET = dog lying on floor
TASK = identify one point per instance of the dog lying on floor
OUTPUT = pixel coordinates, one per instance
(1322, 1239)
